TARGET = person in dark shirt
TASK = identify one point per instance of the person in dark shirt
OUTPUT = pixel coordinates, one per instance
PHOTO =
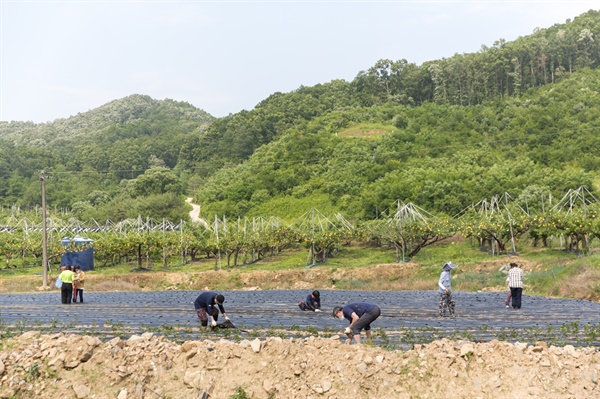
(312, 302)
(66, 290)
(207, 305)
(360, 315)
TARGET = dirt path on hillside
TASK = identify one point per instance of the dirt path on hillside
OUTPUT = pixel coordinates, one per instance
(195, 212)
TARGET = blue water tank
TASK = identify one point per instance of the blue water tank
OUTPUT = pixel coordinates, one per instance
(83, 258)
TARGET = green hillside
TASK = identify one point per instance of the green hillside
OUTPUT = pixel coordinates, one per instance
(112, 162)
(517, 117)
(439, 156)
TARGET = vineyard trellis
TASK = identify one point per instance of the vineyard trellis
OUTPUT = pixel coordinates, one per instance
(410, 229)
(580, 210)
(322, 234)
(494, 223)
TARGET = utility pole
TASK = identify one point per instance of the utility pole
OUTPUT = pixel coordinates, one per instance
(44, 232)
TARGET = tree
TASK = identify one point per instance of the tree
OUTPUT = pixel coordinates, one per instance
(156, 180)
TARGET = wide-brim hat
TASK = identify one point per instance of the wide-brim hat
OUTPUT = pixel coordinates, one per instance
(450, 265)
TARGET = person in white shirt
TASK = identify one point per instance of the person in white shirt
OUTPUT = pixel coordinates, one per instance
(445, 289)
(515, 282)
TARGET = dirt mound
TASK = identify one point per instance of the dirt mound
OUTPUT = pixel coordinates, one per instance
(149, 366)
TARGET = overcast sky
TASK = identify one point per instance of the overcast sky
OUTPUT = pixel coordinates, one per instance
(59, 58)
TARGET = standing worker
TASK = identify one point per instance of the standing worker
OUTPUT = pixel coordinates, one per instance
(79, 284)
(207, 306)
(445, 289)
(66, 290)
(360, 315)
(515, 282)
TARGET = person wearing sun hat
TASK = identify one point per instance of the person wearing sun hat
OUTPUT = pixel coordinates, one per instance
(445, 290)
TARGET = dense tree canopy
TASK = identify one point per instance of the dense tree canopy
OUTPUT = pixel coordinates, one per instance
(516, 117)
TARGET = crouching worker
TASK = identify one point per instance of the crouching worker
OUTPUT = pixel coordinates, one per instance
(207, 305)
(360, 315)
(312, 302)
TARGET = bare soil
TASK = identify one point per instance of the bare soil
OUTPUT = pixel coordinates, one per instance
(148, 366)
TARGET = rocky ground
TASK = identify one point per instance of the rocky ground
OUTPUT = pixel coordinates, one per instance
(151, 367)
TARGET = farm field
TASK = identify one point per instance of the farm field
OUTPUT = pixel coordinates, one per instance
(139, 337)
(147, 344)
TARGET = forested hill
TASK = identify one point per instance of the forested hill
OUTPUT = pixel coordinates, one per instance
(135, 112)
(517, 117)
(96, 161)
(504, 70)
(362, 160)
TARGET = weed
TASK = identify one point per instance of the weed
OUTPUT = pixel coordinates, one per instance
(239, 394)
(50, 373)
(33, 372)
(253, 334)
(312, 330)
(21, 326)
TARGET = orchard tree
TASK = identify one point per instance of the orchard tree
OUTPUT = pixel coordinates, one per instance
(410, 229)
(496, 222)
(323, 235)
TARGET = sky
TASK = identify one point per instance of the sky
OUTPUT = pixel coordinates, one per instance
(60, 58)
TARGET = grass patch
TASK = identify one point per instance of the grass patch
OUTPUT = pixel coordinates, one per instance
(367, 130)
(548, 272)
(356, 256)
(290, 208)
(579, 278)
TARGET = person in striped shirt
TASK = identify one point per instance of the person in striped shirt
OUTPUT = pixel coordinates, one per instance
(515, 282)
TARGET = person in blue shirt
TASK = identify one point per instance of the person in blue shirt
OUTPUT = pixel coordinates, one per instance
(445, 290)
(312, 302)
(207, 307)
(360, 315)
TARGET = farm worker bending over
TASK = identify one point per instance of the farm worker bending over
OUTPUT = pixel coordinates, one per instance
(360, 315)
(312, 302)
(207, 306)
